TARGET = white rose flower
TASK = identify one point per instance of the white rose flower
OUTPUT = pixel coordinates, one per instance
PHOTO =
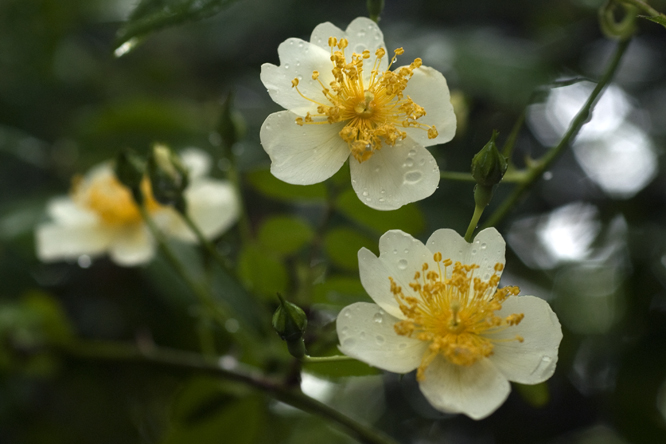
(344, 102)
(100, 215)
(438, 310)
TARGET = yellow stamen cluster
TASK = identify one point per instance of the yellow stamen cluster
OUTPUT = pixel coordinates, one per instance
(455, 312)
(373, 112)
(112, 201)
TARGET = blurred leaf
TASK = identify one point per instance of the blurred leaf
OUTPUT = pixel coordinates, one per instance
(536, 395)
(262, 273)
(52, 318)
(661, 19)
(204, 412)
(284, 235)
(408, 218)
(339, 290)
(153, 15)
(342, 245)
(267, 184)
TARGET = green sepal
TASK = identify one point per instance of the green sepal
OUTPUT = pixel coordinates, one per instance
(168, 177)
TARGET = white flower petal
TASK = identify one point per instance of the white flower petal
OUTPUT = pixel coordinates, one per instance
(298, 58)
(486, 250)
(196, 161)
(213, 207)
(132, 246)
(322, 32)
(67, 212)
(477, 390)
(428, 88)
(366, 333)
(400, 256)
(395, 176)
(55, 242)
(302, 155)
(532, 361)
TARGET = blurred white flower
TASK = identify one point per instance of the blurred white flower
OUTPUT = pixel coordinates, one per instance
(438, 310)
(343, 102)
(100, 215)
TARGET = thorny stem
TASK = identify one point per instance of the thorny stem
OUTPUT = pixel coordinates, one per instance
(192, 362)
(537, 168)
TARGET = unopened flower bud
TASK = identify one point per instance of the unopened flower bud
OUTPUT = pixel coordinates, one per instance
(129, 170)
(375, 8)
(168, 177)
(290, 321)
(489, 165)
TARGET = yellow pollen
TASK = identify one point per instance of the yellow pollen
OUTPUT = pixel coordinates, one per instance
(111, 200)
(371, 103)
(454, 312)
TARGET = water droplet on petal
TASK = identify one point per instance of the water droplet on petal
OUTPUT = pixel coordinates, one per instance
(378, 318)
(402, 264)
(484, 246)
(413, 177)
(365, 193)
(380, 339)
(412, 153)
(395, 251)
(344, 330)
(350, 342)
(402, 345)
(361, 335)
(422, 162)
(544, 367)
(347, 313)
(409, 162)
(377, 170)
(286, 65)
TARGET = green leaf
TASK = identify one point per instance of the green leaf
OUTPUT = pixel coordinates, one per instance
(204, 412)
(408, 218)
(339, 291)
(284, 235)
(153, 15)
(661, 19)
(342, 245)
(268, 185)
(536, 395)
(261, 272)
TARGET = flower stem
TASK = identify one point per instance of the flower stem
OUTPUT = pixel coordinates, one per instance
(511, 176)
(478, 211)
(206, 243)
(192, 362)
(319, 359)
(199, 291)
(243, 220)
(538, 167)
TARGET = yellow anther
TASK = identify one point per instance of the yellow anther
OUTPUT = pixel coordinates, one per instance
(366, 54)
(432, 132)
(399, 51)
(343, 43)
(381, 52)
(299, 120)
(437, 257)
(332, 41)
(499, 266)
(294, 83)
(447, 262)
(315, 75)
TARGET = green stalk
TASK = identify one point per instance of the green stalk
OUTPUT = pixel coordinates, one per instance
(192, 362)
(538, 167)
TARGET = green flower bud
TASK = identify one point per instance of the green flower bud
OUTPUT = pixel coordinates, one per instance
(289, 321)
(168, 177)
(129, 170)
(489, 165)
(375, 8)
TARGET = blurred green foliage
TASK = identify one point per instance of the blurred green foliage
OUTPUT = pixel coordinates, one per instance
(67, 102)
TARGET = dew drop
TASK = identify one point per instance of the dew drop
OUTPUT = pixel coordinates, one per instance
(349, 342)
(409, 162)
(362, 335)
(381, 199)
(353, 181)
(268, 126)
(544, 366)
(361, 33)
(347, 314)
(402, 345)
(395, 251)
(344, 330)
(380, 339)
(365, 193)
(377, 170)
(412, 153)
(286, 65)
(422, 162)
(402, 264)
(484, 246)
(299, 64)
(474, 251)
(413, 177)
(406, 251)
(378, 318)
(300, 44)
(383, 191)
(368, 199)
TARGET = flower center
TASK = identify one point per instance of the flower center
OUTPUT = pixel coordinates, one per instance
(455, 314)
(111, 200)
(373, 109)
